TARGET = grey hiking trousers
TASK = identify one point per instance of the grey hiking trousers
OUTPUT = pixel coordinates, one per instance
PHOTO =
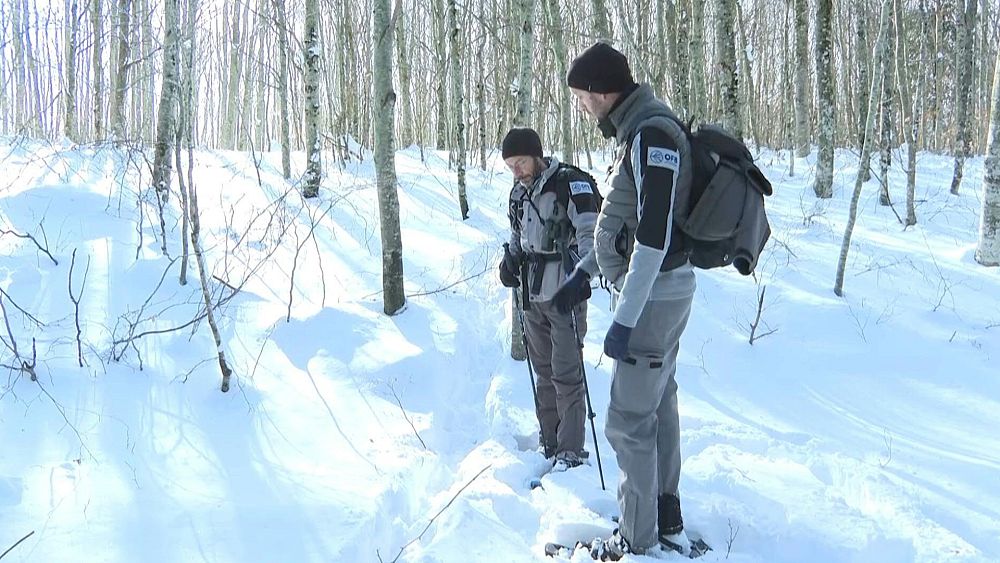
(555, 356)
(643, 426)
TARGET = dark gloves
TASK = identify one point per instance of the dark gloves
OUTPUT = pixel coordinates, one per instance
(616, 341)
(575, 290)
(510, 269)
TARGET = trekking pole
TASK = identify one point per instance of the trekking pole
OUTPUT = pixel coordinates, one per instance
(524, 336)
(586, 391)
(524, 341)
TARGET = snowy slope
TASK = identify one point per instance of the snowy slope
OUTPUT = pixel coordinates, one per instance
(862, 429)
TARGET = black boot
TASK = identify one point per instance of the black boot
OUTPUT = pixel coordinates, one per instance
(668, 516)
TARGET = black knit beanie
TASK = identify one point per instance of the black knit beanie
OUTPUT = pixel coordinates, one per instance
(600, 69)
(521, 141)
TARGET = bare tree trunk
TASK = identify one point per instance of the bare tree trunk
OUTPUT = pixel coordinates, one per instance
(148, 93)
(166, 118)
(562, 61)
(385, 165)
(522, 118)
(824, 86)
(696, 71)
(681, 70)
(236, 50)
(526, 17)
(458, 109)
(97, 23)
(18, 31)
(788, 115)
(880, 48)
(885, 113)
(69, 91)
(802, 147)
(988, 249)
(406, 96)
(725, 47)
(863, 48)
(441, 72)
(312, 55)
(965, 53)
(602, 25)
(909, 123)
(746, 72)
(280, 16)
(481, 95)
(120, 78)
(185, 131)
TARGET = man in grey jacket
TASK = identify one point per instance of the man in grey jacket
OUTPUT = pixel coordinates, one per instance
(641, 252)
(552, 212)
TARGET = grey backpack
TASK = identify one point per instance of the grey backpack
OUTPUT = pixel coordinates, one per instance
(725, 222)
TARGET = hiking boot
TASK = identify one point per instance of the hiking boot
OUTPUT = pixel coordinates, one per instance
(671, 525)
(611, 549)
(567, 459)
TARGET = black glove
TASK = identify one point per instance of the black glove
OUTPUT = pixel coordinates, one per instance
(507, 277)
(510, 268)
(616, 341)
(572, 292)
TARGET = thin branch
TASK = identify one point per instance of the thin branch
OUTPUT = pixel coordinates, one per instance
(76, 303)
(9, 549)
(400, 403)
(34, 240)
(428, 526)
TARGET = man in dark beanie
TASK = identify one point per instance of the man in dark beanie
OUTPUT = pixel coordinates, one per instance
(552, 210)
(641, 252)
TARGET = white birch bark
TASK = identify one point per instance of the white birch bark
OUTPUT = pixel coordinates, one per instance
(802, 146)
(880, 49)
(69, 89)
(825, 97)
(988, 249)
(385, 166)
(312, 55)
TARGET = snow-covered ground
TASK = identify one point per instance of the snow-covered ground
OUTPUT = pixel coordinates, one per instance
(863, 428)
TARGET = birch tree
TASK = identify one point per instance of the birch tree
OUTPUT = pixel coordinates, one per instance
(801, 77)
(120, 68)
(526, 16)
(166, 117)
(97, 25)
(862, 47)
(406, 125)
(880, 48)
(726, 52)
(825, 96)
(385, 163)
(885, 117)
(602, 24)
(458, 104)
(441, 72)
(562, 64)
(988, 249)
(963, 87)
(312, 55)
(69, 91)
(522, 118)
(696, 71)
(282, 87)
(906, 106)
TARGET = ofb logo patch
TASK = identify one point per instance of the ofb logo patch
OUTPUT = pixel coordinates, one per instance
(663, 158)
(577, 188)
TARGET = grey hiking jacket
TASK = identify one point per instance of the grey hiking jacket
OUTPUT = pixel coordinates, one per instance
(531, 208)
(638, 248)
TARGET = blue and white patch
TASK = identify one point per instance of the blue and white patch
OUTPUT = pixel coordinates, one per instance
(663, 158)
(578, 188)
